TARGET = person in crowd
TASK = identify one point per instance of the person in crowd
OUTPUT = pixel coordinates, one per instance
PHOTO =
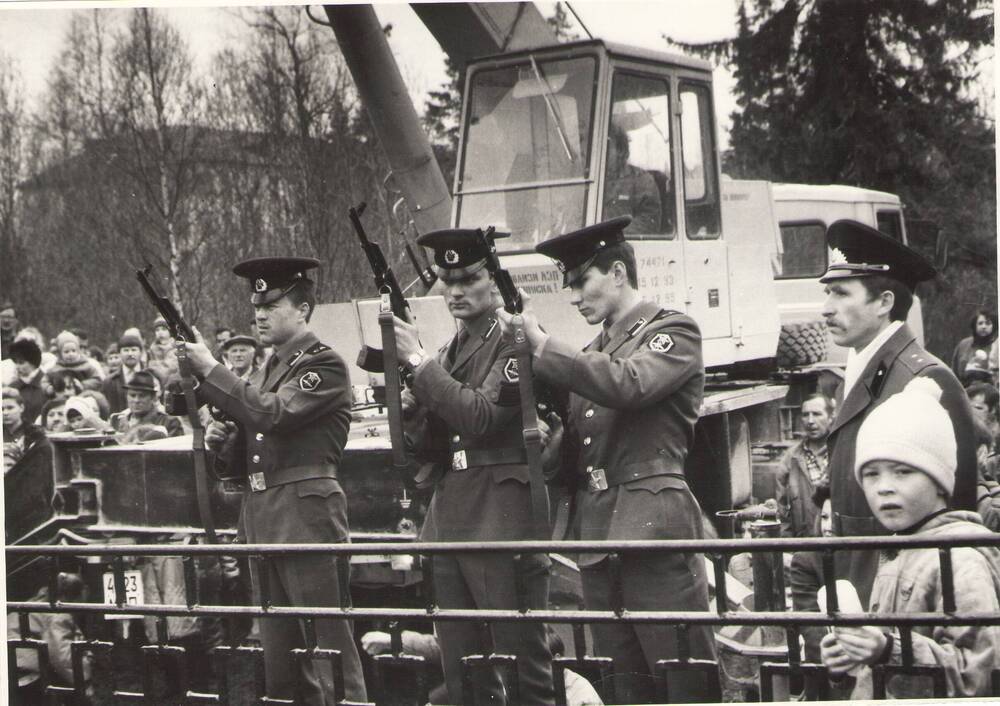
(984, 332)
(61, 385)
(83, 413)
(869, 291)
(103, 408)
(987, 488)
(58, 631)
(162, 358)
(54, 416)
(8, 327)
(292, 420)
(482, 493)
(32, 333)
(130, 350)
(239, 354)
(977, 369)
(19, 436)
(112, 360)
(993, 363)
(30, 381)
(905, 463)
(84, 338)
(72, 361)
(222, 334)
(163, 584)
(141, 394)
(803, 467)
(984, 399)
(635, 393)
(806, 577)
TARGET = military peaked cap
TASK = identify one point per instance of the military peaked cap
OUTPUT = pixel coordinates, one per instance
(574, 252)
(457, 251)
(859, 250)
(271, 278)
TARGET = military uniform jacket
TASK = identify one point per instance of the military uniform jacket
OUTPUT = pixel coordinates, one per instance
(294, 416)
(898, 361)
(636, 393)
(471, 387)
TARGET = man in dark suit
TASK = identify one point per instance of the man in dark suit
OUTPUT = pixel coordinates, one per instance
(869, 287)
(130, 349)
(635, 395)
(292, 419)
(470, 387)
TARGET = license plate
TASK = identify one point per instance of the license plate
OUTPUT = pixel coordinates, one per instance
(133, 592)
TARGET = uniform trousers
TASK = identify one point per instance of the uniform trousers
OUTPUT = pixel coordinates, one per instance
(674, 582)
(306, 511)
(490, 582)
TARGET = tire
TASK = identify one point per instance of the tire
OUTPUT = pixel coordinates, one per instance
(801, 343)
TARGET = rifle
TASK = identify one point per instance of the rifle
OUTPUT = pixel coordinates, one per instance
(513, 304)
(179, 329)
(392, 304)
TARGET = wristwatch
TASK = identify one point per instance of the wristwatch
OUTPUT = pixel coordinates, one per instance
(415, 359)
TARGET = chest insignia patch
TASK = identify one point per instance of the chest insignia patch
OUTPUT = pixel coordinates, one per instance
(510, 370)
(661, 343)
(310, 381)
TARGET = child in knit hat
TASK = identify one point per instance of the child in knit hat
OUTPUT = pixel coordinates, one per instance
(905, 463)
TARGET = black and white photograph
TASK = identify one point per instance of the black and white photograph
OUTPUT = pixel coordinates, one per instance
(499, 353)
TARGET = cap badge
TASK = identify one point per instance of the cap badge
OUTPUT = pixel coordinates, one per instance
(561, 265)
(451, 257)
(837, 257)
(259, 285)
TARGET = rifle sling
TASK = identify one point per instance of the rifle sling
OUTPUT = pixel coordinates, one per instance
(393, 393)
(541, 529)
(198, 446)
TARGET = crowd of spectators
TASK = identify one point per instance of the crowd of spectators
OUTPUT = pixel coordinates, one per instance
(68, 384)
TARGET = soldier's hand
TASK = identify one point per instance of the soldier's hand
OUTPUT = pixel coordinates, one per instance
(218, 433)
(551, 441)
(532, 329)
(408, 402)
(407, 339)
(201, 358)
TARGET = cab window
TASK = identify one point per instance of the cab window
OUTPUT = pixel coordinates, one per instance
(638, 179)
(890, 223)
(701, 187)
(804, 250)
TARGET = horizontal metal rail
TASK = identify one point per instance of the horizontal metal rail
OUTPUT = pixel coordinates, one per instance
(705, 546)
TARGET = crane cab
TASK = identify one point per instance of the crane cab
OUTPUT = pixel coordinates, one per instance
(557, 138)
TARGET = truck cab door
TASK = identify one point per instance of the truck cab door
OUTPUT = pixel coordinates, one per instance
(706, 267)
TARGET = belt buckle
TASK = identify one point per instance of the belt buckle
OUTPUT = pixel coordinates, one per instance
(458, 461)
(597, 480)
(257, 482)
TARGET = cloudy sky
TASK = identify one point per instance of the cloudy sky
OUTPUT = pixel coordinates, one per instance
(32, 33)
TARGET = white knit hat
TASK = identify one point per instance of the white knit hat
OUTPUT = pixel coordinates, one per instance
(911, 427)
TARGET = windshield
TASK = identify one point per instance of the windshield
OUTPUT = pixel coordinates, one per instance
(527, 149)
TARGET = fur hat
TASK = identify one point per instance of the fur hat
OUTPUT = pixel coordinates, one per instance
(27, 350)
(911, 427)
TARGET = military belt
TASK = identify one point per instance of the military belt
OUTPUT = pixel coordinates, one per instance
(262, 480)
(474, 458)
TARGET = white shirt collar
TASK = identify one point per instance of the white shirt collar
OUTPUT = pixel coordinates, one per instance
(857, 362)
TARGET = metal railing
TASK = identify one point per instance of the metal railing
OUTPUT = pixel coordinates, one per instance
(718, 551)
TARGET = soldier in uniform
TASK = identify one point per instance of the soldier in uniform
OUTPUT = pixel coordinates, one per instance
(869, 288)
(471, 388)
(636, 391)
(292, 419)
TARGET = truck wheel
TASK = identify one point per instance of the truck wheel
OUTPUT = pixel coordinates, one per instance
(801, 343)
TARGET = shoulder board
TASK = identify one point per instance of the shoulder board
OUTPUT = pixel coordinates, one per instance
(634, 328)
(318, 348)
(664, 313)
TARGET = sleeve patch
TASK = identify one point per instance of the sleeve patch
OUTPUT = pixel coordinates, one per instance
(661, 343)
(318, 348)
(510, 370)
(310, 381)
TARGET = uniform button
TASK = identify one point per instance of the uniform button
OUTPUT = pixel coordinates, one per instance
(589, 413)
(256, 458)
(455, 439)
(586, 441)
(259, 437)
